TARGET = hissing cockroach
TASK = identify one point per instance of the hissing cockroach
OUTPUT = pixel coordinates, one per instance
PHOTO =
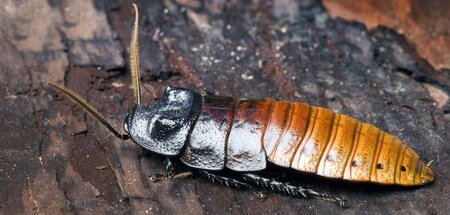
(211, 133)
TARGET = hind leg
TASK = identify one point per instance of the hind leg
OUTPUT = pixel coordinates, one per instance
(286, 188)
(231, 182)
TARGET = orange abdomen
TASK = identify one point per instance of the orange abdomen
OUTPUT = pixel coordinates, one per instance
(317, 140)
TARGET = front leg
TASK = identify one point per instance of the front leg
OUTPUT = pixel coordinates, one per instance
(170, 171)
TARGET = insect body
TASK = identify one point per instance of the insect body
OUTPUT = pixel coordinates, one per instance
(211, 133)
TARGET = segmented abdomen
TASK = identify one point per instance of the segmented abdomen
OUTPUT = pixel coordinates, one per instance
(243, 135)
(317, 140)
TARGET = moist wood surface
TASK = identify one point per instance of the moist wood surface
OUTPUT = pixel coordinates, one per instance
(56, 159)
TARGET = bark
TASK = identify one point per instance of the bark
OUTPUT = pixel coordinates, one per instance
(54, 158)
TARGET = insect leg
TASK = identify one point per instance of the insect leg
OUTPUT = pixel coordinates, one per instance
(286, 188)
(170, 172)
(225, 181)
(233, 183)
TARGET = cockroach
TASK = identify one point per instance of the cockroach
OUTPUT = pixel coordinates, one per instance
(212, 133)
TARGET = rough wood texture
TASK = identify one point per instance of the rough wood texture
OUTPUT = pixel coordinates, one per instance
(425, 23)
(56, 159)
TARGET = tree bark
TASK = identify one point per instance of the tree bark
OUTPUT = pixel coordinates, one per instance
(54, 158)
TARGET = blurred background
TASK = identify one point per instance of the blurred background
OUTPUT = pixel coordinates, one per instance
(384, 62)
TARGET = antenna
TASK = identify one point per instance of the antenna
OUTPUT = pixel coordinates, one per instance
(83, 103)
(134, 58)
(135, 76)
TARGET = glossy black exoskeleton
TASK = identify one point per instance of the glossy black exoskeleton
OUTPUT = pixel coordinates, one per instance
(163, 127)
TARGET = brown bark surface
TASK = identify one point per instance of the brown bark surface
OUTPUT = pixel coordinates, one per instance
(424, 23)
(54, 158)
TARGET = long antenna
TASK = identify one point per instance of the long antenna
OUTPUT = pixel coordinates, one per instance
(134, 58)
(83, 103)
